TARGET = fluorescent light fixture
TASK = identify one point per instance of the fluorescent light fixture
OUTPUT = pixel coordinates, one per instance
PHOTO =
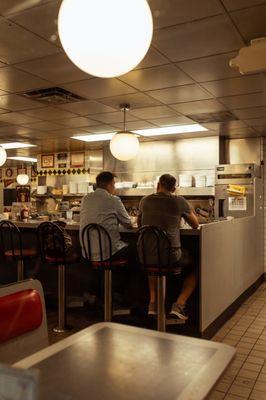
(96, 137)
(16, 145)
(18, 158)
(167, 130)
(171, 130)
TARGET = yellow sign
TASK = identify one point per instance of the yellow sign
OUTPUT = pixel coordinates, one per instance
(236, 190)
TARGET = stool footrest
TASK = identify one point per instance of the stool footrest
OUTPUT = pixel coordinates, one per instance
(175, 321)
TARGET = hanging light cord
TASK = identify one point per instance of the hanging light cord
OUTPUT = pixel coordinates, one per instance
(125, 110)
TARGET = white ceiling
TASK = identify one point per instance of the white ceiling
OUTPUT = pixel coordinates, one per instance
(185, 72)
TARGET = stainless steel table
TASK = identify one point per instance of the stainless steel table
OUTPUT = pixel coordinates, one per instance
(112, 361)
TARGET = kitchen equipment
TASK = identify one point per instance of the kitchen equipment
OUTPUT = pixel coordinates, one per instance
(185, 180)
(83, 187)
(73, 187)
(65, 189)
(200, 180)
(41, 189)
(238, 190)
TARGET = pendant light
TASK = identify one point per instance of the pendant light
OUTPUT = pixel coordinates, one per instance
(105, 38)
(124, 145)
(2, 156)
(23, 179)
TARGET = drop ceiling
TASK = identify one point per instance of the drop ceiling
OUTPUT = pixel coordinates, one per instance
(186, 72)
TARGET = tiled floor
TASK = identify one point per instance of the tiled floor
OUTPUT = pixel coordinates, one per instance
(246, 330)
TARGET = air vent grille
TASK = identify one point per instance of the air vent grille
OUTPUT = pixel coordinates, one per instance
(53, 96)
(223, 116)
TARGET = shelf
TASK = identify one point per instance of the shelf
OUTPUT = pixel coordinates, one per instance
(55, 196)
(190, 191)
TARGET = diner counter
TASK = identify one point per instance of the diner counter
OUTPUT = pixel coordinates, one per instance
(227, 253)
(74, 226)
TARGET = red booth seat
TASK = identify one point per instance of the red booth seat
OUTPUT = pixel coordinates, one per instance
(20, 312)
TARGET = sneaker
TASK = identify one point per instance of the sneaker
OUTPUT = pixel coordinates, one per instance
(152, 309)
(179, 311)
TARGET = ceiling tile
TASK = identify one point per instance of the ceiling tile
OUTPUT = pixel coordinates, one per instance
(201, 38)
(56, 68)
(210, 68)
(97, 88)
(132, 126)
(245, 130)
(44, 126)
(255, 112)
(179, 94)
(14, 6)
(136, 100)
(156, 78)
(86, 107)
(114, 117)
(173, 12)
(251, 22)
(48, 113)
(152, 59)
(33, 20)
(13, 102)
(168, 121)
(13, 80)
(17, 118)
(152, 112)
(197, 107)
(18, 44)
(236, 86)
(246, 100)
(224, 126)
(77, 122)
(238, 4)
(255, 122)
(17, 130)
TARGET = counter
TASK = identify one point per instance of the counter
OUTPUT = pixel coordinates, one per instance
(229, 255)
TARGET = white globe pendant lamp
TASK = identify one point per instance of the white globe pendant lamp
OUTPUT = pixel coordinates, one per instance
(22, 179)
(3, 156)
(124, 145)
(105, 38)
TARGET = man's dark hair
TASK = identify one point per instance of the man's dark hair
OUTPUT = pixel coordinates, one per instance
(104, 178)
(167, 181)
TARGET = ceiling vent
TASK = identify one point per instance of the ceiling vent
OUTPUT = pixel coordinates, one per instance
(204, 118)
(53, 96)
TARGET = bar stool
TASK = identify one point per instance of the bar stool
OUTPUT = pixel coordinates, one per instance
(160, 266)
(11, 247)
(98, 235)
(53, 252)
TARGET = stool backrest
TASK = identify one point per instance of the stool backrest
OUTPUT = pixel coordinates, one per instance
(10, 239)
(51, 242)
(96, 243)
(23, 325)
(154, 247)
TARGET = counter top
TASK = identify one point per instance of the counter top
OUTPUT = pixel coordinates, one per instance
(74, 226)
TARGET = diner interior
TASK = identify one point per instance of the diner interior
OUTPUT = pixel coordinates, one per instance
(139, 89)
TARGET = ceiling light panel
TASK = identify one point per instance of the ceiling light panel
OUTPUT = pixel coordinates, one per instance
(16, 145)
(29, 159)
(171, 130)
(95, 137)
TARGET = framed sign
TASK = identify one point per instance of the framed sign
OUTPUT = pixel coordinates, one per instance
(9, 172)
(47, 161)
(77, 160)
(62, 165)
(34, 171)
(21, 171)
